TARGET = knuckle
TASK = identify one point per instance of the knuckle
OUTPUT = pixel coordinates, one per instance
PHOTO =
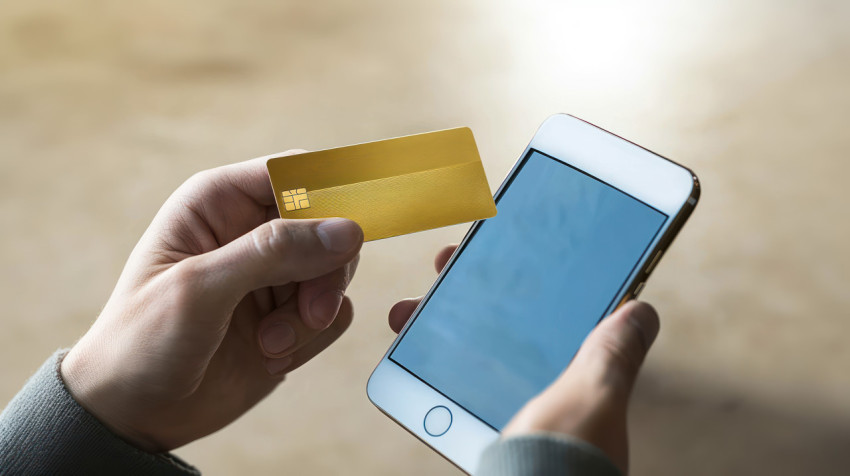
(618, 354)
(614, 365)
(186, 280)
(274, 239)
(201, 178)
(351, 269)
(346, 274)
(197, 186)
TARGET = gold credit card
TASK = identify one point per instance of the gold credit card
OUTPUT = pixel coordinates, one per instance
(389, 187)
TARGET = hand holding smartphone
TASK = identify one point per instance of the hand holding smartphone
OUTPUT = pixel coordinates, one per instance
(582, 219)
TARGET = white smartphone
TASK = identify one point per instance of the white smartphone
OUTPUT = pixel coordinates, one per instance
(583, 217)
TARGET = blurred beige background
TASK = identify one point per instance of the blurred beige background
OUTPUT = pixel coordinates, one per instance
(106, 107)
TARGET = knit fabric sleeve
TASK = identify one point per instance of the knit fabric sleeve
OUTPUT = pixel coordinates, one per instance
(544, 454)
(44, 430)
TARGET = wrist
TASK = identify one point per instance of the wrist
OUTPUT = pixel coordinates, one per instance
(85, 380)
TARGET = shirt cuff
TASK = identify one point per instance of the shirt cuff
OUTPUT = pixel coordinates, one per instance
(544, 454)
(44, 430)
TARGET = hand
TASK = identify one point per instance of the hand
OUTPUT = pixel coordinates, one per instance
(217, 302)
(589, 400)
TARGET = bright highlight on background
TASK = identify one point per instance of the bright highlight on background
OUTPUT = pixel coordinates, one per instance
(594, 45)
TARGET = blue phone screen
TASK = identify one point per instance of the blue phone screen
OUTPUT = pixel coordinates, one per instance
(526, 290)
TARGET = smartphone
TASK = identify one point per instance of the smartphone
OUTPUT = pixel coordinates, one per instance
(583, 218)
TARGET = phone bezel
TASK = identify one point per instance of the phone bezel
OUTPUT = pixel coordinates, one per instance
(649, 177)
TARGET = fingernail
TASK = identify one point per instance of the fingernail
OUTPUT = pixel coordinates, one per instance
(339, 235)
(276, 366)
(644, 317)
(277, 337)
(323, 309)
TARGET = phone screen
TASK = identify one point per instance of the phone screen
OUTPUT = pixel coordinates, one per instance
(527, 288)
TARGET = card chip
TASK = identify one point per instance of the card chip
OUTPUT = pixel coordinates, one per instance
(295, 199)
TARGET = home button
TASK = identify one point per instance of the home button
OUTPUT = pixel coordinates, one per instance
(438, 420)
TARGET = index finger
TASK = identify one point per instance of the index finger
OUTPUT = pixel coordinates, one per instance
(251, 177)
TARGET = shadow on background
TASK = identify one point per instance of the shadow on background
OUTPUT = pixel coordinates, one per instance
(687, 425)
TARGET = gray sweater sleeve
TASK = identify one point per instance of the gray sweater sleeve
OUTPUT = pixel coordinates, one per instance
(544, 454)
(44, 430)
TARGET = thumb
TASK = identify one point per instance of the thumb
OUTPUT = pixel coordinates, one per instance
(613, 353)
(275, 253)
(590, 398)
